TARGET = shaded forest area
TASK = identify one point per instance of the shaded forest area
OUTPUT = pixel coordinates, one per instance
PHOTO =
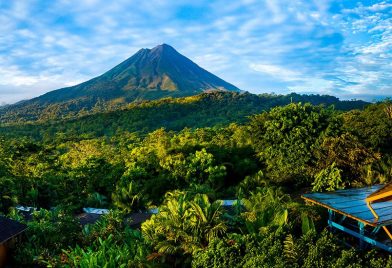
(265, 161)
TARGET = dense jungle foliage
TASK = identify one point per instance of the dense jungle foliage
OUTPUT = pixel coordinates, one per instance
(265, 162)
(216, 108)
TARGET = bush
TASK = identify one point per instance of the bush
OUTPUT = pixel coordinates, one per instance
(328, 179)
(47, 234)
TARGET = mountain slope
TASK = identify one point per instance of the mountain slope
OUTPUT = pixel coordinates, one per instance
(149, 70)
(148, 74)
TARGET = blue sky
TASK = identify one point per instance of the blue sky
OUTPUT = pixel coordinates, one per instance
(342, 48)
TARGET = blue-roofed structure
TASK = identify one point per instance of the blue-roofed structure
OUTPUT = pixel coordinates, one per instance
(98, 211)
(360, 205)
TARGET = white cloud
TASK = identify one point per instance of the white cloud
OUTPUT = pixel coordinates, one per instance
(297, 81)
(379, 7)
(291, 44)
(276, 71)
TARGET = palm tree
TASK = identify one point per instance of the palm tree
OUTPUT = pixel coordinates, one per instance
(128, 196)
(183, 226)
(169, 228)
(206, 219)
(267, 207)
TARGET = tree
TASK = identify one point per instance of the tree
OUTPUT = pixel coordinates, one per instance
(265, 208)
(372, 126)
(183, 226)
(328, 179)
(347, 154)
(128, 196)
(284, 139)
(202, 169)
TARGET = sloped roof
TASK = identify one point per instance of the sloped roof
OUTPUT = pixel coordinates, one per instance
(382, 194)
(137, 218)
(230, 202)
(88, 218)
(100, 211)
(352, 203)
(10, 228)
